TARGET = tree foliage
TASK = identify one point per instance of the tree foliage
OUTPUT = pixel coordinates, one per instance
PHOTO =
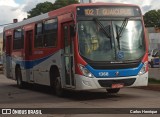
(45, 7)
(40, 9)
(61, 3)
(152, 18)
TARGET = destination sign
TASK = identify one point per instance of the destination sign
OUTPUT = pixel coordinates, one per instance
(108, 11)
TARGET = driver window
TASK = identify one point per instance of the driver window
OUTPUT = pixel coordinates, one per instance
(88, 39)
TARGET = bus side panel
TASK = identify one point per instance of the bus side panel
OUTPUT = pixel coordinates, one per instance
(44, 58)
(41, 71)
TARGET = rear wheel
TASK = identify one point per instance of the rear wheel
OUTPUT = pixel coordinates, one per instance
(116, 90)
(20, 83)
(58, 87)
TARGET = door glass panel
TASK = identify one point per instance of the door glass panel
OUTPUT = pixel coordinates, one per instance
(66, 40)
(67, 70)
(66, 58)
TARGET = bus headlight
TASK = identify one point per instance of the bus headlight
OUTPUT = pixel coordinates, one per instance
(85, 71)
(143, 69)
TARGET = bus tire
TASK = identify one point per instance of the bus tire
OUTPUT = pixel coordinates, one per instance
(20, 83)
(58, 88)
(116, 90)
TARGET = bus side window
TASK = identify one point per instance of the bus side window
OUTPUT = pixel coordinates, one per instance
(18, 40)
(50, 33)
(38, 42)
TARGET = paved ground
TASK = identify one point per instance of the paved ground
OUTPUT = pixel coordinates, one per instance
(154, 73)
(40, 97)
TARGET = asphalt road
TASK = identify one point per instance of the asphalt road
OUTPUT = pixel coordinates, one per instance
(154, 73)
(41, 97)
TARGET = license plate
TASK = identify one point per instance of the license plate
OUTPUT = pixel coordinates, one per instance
(117, 86)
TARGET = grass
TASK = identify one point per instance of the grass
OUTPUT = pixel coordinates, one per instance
(153, 81)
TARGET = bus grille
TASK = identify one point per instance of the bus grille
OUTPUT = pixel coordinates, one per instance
(108, 83)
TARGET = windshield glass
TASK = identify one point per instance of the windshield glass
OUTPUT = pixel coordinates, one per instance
(111, 41)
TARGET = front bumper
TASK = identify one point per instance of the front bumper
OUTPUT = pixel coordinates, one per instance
(85, 83)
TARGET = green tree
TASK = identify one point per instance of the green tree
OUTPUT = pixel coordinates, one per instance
(40, 9)
(152, 18)
(48, 6)
(61, 3)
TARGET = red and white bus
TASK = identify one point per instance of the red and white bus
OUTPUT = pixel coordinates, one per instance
(79, 47)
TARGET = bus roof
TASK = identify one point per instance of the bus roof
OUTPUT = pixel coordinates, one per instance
(54, 13)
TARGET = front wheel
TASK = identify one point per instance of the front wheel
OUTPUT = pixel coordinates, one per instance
(116, 90)
(58, 87)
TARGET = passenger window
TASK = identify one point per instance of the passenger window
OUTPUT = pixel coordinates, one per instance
(46, 34)
(18, 41)
(50, 30)
(39, 28)
(39, 36)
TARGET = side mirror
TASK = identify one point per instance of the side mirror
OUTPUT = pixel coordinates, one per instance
(72, 30)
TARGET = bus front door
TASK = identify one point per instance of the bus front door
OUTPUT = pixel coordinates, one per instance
(28, 55)
(8, 63)
(68, 56)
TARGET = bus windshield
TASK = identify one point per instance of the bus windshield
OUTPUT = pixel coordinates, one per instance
(111, 40)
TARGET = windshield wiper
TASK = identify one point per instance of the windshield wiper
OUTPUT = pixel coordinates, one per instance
(120, 31)
(104, 29)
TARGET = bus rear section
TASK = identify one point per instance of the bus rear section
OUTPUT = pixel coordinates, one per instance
(6, 57)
